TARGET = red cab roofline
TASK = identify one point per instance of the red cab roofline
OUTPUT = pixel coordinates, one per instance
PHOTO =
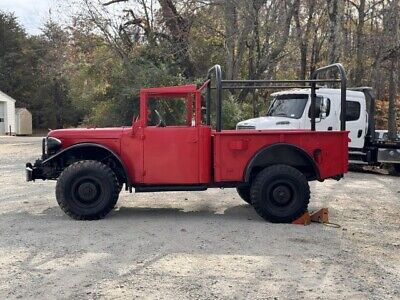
(188, 88)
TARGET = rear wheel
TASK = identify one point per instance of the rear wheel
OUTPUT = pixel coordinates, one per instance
(280, 194)
(87, 190)
(394, 169)
(244, 193)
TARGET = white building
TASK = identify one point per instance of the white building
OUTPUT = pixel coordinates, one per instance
(7, 114)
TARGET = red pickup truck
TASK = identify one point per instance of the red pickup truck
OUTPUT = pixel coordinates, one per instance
(269, 168)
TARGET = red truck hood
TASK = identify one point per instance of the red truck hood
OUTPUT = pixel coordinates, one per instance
(87, 133)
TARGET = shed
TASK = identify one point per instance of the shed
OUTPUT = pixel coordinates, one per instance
(23, 121)
(7, 114)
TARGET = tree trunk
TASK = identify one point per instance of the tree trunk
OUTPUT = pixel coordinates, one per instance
(334, 31)
(359, 72)
(230, 37)
(392, 34)
(303, 35)
(179, 28)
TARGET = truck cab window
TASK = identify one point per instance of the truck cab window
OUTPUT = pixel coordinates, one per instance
(288, 106)
(172, 111)
(353, 110)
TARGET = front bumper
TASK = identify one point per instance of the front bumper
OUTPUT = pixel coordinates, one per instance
(34, 172)
(37, 170)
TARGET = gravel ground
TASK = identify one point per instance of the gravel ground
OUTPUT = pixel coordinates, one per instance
(197, 245)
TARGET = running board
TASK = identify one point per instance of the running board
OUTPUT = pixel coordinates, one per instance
(170, 188)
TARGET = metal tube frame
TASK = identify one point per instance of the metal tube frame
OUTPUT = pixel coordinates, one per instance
(343, 87)
(252, 84)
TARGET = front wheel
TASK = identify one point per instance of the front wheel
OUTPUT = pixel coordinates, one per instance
(87, 190)
(280, 194)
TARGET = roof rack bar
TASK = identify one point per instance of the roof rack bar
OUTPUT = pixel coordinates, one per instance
(281, 81)
(254, 87)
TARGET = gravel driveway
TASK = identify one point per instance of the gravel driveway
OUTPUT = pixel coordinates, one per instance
(196, 245)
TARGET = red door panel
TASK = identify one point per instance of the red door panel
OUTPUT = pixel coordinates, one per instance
(171, 155)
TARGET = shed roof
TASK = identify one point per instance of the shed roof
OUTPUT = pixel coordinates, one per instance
(21, 109)
(4, 95)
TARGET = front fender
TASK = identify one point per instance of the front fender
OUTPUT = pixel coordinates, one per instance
(85, 150)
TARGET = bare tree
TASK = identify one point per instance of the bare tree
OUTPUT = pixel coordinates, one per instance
(359, 44)
(392, 56)
(334, 13)
(238, 26)
(303, 31)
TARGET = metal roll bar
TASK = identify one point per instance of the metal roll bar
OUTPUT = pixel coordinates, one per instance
(343, 86)
(218, 87)
(264, 84)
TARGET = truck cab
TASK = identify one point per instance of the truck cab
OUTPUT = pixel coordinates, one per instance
(291, 110)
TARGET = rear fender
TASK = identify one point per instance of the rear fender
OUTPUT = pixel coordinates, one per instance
(282, 153)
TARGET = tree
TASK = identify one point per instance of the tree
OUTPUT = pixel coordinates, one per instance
(303, 32)
(14, 64)
(334, 13)
(392, 56)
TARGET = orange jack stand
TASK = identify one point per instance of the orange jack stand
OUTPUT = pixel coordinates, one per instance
(319, 216)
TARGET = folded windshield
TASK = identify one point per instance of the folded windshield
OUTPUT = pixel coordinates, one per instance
(289, 106)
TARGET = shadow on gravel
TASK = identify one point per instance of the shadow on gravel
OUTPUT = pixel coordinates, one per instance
(239, 212)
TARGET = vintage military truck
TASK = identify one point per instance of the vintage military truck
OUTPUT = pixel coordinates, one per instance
(269, 168)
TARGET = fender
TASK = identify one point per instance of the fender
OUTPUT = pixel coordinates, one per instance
(93, 145)
(281, 153)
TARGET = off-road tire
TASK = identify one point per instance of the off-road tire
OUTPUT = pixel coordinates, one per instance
(280, 194)
(244, 193)
(87, 190)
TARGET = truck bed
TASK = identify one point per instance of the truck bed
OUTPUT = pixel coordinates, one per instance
(233, 149)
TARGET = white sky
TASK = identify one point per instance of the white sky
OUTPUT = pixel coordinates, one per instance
(32, 14)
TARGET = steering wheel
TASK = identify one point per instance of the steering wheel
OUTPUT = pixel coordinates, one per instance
(161, 122)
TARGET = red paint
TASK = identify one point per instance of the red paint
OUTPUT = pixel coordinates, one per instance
(194, 154)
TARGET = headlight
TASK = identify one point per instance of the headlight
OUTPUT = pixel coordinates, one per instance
(52, 145)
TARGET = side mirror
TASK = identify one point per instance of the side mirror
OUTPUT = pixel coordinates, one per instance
(323, 109)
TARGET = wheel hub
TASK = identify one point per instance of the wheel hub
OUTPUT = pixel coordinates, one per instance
(87, 191)
(281, 194)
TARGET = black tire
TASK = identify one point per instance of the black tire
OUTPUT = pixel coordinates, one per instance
(280, 194)
(87, 190)
(394, 169)
(244, 193)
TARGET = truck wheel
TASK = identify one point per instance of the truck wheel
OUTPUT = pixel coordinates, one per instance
(394, 169)
(280, 194)
(244, 193)
(87, 190)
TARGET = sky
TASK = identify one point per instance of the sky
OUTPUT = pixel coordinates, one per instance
(32, 14)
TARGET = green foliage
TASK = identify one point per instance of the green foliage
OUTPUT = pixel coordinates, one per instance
(90, 74)
(231, 113)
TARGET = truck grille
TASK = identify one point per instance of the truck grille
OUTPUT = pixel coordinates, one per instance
(246, 127)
